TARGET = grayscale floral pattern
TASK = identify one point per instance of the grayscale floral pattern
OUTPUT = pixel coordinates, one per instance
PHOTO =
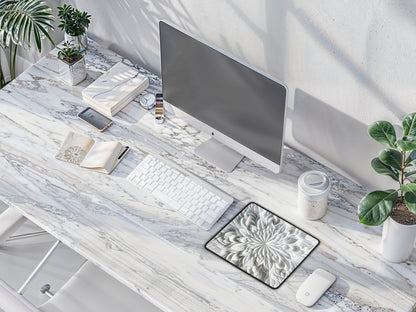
(263, 245)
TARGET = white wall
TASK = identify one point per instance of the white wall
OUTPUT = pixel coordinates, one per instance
(346, 63)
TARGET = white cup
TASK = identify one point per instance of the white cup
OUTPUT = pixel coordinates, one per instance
(313, 191)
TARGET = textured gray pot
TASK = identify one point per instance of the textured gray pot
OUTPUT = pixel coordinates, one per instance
(72, 73)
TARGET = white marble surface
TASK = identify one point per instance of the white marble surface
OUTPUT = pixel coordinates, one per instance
(149, 246)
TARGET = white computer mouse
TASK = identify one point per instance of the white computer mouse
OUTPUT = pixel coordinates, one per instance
(314, 287)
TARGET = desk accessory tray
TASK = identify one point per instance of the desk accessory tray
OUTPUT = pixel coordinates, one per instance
(262, 244)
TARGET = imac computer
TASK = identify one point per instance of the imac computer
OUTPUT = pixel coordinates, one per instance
(240, 107)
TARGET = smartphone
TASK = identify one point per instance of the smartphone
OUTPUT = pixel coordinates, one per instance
(95, 119)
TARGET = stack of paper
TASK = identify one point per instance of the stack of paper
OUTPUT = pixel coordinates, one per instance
(112, 91)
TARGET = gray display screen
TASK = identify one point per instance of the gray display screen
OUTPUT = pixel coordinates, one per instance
(222, 93)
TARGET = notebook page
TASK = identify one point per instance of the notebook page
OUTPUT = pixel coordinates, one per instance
(74, 148)
(102, 156)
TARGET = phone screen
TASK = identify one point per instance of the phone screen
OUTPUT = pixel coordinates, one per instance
(94, 118)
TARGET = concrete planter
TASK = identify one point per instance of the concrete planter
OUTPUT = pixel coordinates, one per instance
(397, 241)
(72, 73)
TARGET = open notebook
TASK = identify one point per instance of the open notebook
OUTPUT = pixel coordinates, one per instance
(85, 152)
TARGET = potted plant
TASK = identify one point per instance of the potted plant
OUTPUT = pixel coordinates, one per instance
(22, 22)
(72, 67)
(75, 24)
(395, 207)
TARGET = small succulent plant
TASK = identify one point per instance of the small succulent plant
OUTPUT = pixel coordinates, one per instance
(69, 53)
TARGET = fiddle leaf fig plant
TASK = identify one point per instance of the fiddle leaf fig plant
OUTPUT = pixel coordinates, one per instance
(398, 161)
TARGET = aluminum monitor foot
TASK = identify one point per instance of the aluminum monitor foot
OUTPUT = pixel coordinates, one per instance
(219, 155)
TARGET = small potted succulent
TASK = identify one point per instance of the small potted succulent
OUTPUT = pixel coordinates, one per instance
(72, 67)
(395, 207)
(75, 24)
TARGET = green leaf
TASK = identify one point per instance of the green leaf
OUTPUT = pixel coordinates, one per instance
(409, 125)
(383, 132)
(411, 163)
(410, 196)
(408, 143)
(409, 170)
(376, 206)
(411, 157)
(405, 146)
(391, 158)
(381, 168)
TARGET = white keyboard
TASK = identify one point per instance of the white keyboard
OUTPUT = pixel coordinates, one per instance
(199, 201)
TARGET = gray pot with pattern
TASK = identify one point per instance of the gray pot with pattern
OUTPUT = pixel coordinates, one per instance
(72, 73)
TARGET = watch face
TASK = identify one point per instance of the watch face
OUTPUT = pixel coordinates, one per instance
(147, 100)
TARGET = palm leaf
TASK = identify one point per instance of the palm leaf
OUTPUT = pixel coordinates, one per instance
(25, 21)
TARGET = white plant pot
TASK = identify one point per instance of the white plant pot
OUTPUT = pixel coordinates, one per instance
(397, 241)
(72, 73)
(78, 41)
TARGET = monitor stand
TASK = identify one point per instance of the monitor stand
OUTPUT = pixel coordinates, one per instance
(219, 154)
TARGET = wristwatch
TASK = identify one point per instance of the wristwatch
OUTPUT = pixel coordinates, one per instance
(147, 100)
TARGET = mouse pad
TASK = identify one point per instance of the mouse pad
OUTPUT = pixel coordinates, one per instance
(262, 244)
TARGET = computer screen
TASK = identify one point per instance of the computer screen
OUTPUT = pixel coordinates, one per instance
(223, 93)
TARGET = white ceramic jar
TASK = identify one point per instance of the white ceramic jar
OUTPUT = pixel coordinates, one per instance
(313, 191)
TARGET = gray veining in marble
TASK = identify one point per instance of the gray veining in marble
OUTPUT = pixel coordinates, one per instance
(150, 247)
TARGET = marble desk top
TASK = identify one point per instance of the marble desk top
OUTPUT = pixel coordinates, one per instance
(150, 247)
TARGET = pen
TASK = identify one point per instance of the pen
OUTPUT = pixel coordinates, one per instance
(124, 152)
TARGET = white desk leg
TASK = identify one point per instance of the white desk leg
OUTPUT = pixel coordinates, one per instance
(40, 265)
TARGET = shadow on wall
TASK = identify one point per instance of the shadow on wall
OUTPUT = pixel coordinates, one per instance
(273, 35)
(318, 32)
(335, 136)
(130, 27)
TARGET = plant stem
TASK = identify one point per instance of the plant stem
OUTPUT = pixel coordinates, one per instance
(402, 175)
(14, 61)
(10, 62)
(2, 81)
